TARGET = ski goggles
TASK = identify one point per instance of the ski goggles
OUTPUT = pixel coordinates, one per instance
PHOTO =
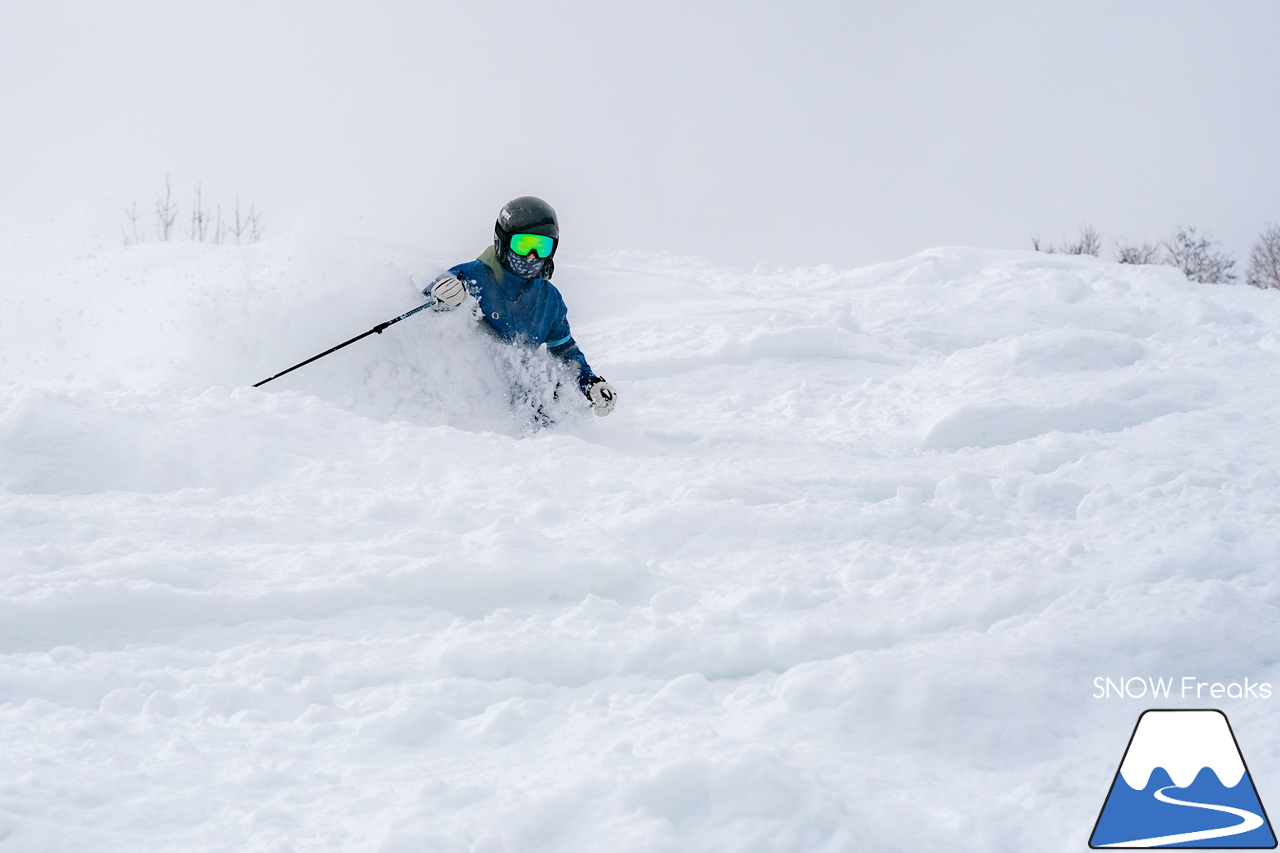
(524, 244)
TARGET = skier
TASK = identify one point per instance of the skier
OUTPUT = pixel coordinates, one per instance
(511, 282)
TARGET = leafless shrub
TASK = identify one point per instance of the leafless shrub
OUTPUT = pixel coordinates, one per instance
(1199, 257)
(1088, 243)
(255, 224)
(1131, 253)
(166, 212)
(206, 223)
(1264, 260)
(247, 228)
(238, 225)
(131, 233)
(199, 216)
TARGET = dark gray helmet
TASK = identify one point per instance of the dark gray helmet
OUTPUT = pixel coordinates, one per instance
(525, 215)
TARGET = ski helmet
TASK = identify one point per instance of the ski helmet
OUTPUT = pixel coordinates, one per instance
(525, 215)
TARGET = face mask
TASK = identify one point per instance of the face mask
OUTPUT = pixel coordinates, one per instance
(528, 266)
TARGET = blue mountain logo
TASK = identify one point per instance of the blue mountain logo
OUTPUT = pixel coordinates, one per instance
(1183, 783)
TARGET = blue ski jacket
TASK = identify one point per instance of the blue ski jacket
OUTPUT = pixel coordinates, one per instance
(521, 310)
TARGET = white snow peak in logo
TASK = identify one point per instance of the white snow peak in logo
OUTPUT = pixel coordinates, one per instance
(1182, 783)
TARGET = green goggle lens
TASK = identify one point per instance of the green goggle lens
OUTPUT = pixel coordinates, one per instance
(523, 244)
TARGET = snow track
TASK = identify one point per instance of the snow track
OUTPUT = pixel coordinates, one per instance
(836, 575)
(1248, 822)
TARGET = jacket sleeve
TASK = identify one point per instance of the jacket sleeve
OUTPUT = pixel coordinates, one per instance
(561, 344)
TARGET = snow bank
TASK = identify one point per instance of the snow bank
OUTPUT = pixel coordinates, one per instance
(837, 574)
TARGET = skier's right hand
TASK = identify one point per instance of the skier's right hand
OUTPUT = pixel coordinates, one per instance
(447, 290)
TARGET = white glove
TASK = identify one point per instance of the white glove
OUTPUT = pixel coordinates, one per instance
(447, 290)
(603, 396)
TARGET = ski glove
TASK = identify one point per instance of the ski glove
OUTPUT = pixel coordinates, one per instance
(602, 395)
(447, 290)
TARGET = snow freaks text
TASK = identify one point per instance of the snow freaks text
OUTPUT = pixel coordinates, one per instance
(1186, 687)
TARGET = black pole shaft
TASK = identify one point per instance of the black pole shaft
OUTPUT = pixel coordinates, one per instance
(378, 329)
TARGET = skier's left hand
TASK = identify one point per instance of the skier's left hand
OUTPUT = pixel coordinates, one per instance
(602, 395)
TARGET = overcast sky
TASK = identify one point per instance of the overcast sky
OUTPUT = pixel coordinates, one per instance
(793, 133)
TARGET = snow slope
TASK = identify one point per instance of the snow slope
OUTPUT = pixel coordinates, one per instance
(837, 575)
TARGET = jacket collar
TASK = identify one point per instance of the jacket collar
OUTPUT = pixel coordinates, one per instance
(489, 257)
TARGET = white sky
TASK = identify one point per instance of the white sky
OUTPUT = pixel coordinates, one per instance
(778, 132)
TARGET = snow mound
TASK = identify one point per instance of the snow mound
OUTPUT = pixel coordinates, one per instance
(837, 574)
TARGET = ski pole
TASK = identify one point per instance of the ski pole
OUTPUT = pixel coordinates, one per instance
(378, 329)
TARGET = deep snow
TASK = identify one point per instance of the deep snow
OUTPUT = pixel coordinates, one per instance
(838, 573)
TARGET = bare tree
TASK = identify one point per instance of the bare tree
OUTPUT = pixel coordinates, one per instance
(206, 223)
(1131, 253)
(166, 212)
(199, 216)
(131, 213)
(1088, 243)
(1264, 260)
(255, 224)
(237, 225)
(1199, 257)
